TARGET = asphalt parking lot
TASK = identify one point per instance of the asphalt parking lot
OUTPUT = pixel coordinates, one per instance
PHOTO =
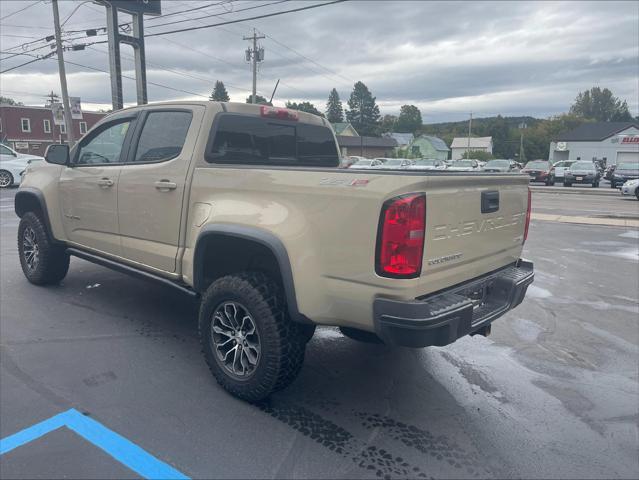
(553, 392)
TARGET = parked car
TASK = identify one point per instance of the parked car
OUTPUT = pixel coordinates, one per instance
(610, 169)
(631, 187)
(12, 165)
(625, 171)
(502, 166)
(394, 163)
(540, 171)
(428, 164)
(349, 160)
(561, 167)
(366, 163)
(463, 166)
(582, 172)
(269, 268)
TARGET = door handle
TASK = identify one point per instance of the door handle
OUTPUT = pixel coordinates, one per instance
(165, 185)
(105, 182)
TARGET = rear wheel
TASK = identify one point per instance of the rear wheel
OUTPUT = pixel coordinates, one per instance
(6, 179)
(42, 262)
(250, 344)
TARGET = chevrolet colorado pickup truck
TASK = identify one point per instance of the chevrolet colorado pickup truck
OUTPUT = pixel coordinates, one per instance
(247, 208)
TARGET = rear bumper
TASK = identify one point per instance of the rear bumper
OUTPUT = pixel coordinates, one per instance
(584, 178)
(442, 318)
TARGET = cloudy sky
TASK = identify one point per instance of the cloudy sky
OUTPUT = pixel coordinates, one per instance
(448, 58)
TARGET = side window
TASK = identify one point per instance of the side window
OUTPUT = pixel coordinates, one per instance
(105, 147)
(248, 140)
(5, 151)
(162, 136)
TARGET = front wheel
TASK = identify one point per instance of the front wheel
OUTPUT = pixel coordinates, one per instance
(6, 179)
(248, 339)
(42, 262)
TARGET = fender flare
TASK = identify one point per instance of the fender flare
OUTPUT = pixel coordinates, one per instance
(26, 195)
(262, 237)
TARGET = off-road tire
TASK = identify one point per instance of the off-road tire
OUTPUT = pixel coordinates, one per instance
(53, 262)
(361, 335)
(282, 345)
(7, 176)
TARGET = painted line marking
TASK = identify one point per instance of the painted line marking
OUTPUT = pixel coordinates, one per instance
(115, 445)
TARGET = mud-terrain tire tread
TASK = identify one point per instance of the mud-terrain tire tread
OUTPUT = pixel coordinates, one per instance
(53, 263)
(282, 344)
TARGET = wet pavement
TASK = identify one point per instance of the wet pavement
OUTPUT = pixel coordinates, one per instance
(553, 392)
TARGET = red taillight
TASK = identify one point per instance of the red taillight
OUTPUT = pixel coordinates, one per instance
(527, 216)
(278, 113)
(400, 241)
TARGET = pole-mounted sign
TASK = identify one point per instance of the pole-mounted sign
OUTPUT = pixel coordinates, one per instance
(137, 9)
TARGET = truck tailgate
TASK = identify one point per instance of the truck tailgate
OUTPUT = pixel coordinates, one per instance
(473, 218)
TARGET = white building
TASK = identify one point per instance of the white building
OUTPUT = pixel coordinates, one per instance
(611, 142)
(461, 144)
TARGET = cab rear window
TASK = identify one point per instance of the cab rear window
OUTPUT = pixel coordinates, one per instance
(248, 140)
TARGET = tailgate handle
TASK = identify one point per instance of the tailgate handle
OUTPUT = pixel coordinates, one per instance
(489, 201)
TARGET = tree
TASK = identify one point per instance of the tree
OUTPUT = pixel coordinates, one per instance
(9, 101)
(307, 107)
(478, 155)
(409, 120)
(219, 93)
(259, 99)
(334, 109)
(388, 123)
(363, 112)
(600, 105)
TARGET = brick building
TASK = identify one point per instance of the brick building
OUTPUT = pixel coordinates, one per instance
(31, 129)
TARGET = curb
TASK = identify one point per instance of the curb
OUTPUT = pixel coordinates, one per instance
(610, 222)
(605, 191)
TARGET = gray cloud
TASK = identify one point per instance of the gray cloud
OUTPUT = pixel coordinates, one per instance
(446, 57)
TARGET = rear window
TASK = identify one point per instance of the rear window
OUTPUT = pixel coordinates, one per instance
(537, 165)
(248, 140)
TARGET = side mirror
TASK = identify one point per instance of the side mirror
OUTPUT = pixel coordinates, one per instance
(57, 154)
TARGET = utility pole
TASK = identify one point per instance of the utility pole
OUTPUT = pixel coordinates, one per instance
(53, 97)
(521, 141)
(256, 55)
(63, 76)
(470, 126)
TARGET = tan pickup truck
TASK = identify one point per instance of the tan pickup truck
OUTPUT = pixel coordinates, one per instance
(246, 206)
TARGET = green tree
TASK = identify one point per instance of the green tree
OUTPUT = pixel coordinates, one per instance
(363, 112)
(334, 108)
(307, 107)
(600, 105)
(9, 101)
(478, 155)
(409, 120)
(259, 99)
(387, 123)
(219, 93)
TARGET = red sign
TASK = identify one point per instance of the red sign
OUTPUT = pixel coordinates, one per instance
(630, 139)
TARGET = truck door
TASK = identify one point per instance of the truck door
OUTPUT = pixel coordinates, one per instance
(152, 185)
(88, 187)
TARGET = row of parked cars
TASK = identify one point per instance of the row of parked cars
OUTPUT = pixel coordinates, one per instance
(568, 172)
(469, 165)
(12, 164)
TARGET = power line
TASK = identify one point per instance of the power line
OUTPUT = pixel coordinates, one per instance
(48, 55)
(214, 15)
(267, 15)
(21, 10)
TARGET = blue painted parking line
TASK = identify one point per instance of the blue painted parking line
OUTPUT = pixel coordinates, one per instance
(118, 447)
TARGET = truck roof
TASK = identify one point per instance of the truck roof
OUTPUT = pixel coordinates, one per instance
(231, 107)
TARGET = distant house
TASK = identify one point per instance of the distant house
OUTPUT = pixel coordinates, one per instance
(345, 129)
(369, 147)
(32, 129)
(402, 139)
(461, 144)
(609, 142)
(426, 146)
